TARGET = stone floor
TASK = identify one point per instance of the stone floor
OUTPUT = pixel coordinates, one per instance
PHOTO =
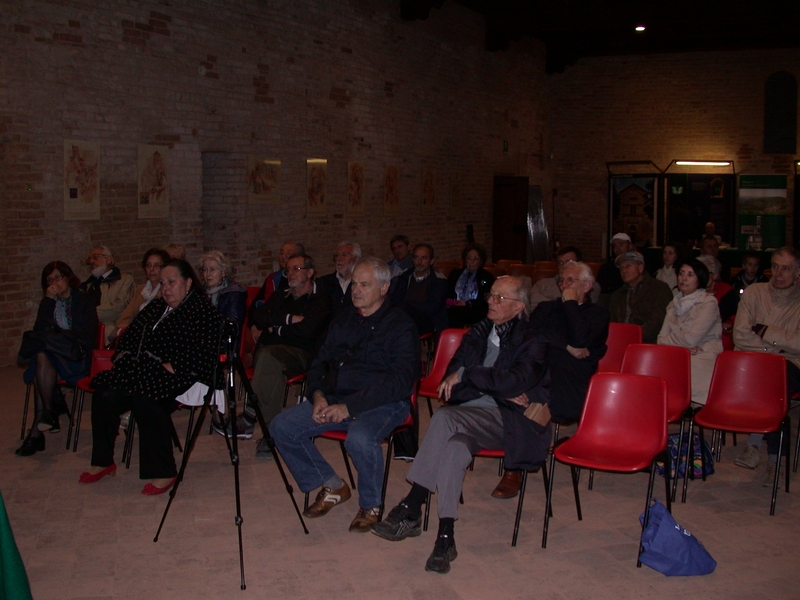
(96, 541)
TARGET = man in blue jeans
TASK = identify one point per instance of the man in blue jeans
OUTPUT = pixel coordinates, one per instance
(360, 382)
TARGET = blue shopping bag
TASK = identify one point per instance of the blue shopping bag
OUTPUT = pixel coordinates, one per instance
(669, 548)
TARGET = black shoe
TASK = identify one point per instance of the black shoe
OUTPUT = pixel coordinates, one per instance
(59, 403)
(398, 525)
(31, 445)
(244, 429)
(444, 551)
(48, 421)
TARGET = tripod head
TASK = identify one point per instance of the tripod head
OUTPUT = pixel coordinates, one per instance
(229, 338)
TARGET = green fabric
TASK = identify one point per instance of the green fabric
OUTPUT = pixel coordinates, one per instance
(13, 579)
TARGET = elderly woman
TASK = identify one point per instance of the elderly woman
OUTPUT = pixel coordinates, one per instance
(168, 348)
(467, 288)
(692, 321)
(152, 261)
(64, 311)
(229, 297)
(716, 287)
(670, 255)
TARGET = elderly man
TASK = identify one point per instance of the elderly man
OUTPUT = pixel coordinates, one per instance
(337, 284)
(608, 277)
(709, 246)
(548, 289)
(360, 382)
(421, 293)
(401, 250)
(642, 300)
(576, 330)
(498, 380)
(768, 320)
(291, 323)
(277, 280)
(110, 290)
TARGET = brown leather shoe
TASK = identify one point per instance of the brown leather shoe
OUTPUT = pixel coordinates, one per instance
(509, 485)
(326, 500)
(365, 519)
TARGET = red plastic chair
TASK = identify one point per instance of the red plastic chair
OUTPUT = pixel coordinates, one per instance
(673, 364)
(623, 429)
(748, 394)
(101, 361)
(449, 341)
(620, 336)
(341, 436)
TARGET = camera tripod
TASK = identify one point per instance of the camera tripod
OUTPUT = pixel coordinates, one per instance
(230, 365)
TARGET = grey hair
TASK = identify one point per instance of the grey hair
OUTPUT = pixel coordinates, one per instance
(218, 257)
(789, 251)
(585, 270)
(714, 266)
(522, 290)
(382, 271)
(356, 248)
(105, 249)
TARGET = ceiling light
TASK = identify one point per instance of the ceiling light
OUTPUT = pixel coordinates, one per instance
(703, 163)
(640, 28)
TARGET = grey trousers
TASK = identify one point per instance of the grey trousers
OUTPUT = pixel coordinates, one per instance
(272, 366)
(454, 435)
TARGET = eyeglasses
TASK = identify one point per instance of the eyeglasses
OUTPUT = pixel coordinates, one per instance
(54, 279)
(295, 269)
(498, 299)
(153, 265)
(97, 255)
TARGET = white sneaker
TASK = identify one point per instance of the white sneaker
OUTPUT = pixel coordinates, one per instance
(749, 458)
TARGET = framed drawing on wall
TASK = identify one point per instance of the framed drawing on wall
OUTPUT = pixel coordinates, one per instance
(263, 180)
(355, 189)
(154, 171)
(316, 187)
(633, 203)
(81, 181)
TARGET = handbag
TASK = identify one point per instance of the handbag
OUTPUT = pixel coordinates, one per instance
(697, 464)
(669, 549)
(65, 345)
(32, 342)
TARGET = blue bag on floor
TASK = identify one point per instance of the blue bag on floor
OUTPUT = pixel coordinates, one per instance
(669, 548)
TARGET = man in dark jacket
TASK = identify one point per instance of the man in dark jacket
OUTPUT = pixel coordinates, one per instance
(291, 323)
(422, 293)
(337, 284)
(499, 380)
(360, 382)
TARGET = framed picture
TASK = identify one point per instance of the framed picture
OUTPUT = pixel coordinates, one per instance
(316, 187)
(153, 169)
(633, 203)
(81, 181)
(263, 180)
(355, 189)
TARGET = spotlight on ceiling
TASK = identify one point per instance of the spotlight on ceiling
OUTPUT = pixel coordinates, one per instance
(640, 28)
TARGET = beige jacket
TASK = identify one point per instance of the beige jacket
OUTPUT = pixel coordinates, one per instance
(130, 312)
(779, 310)
(113, 300)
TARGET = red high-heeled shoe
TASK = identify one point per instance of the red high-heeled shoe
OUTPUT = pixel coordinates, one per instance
(87, 477)
(151, 490)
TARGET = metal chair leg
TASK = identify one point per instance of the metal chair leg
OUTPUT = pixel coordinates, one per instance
(646, 513)
(25, 410)
(519, 508)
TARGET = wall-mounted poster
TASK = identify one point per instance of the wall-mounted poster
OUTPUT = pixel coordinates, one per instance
(263, 180)
(632, 208)
(428, 190)
(391, 190)
(81, 181)
(455, 195)
(153, 182)
(317, 185)
(355, 189)
(762, 211)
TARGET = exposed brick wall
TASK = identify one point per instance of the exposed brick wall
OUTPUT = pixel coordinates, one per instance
(659, 108)
(221, 79)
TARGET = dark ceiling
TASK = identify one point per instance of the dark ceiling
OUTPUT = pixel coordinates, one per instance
(572, 29)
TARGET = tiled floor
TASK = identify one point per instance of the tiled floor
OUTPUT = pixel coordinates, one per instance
(96, 541)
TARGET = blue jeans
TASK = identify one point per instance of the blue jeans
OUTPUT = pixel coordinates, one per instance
(294, 430)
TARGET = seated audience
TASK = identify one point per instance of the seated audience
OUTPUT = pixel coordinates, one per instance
(608, 277)
(710, 247)
(750, 274)
(642, 300)
(170, 347)
(152, 262)
(496, 378)
(549, 288)
(421, 293)
(670, 256)
(229, 298)
(374, 349)
(110, 290)
(337, 284)
(467, 288)
(693, 322)
(401, 250)
(67, 312)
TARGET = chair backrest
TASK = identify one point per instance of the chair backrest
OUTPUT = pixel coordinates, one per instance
(546, 265)
(520, 270)
(751, 386)
(496, 271)
(540, 274)
(670, 363)
(100, 336)
(620, 336)
(449, 341)
(505, 263)
(624, 411)
(101, 361)
(595, 267)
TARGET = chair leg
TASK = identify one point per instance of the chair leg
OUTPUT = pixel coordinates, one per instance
(575, 478)
(386, 475)
(430, 406)
(591, 478)
(305, 501)
(546, 482)
(176, 441)
(667, 483)
(787, 426)
(777, 472)
(427, 512)
(286, 394)
(75, 421)
(796, 450)
(690, 456)
(519, 508)
(548, 508)
(128, 448)
(25, 410)
(190, 426)
(646, 512)
(674, 491)
(500, 466)
(347, 465)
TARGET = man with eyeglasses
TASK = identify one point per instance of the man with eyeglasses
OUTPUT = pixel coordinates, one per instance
(496, 389)
(576, 330)
(421, 292)
(276, 280)
(768, 320)
(548, 289)
(291, 324)
(110, 290)
(337, 284)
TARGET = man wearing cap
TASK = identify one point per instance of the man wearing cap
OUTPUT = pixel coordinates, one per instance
(641, 300)
(608, 276)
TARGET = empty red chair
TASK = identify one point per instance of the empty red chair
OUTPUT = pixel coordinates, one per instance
(748, 395)
(449, 341)
(623, 429)
(620, 336)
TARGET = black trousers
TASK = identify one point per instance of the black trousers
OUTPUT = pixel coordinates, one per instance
(153, 419)
(792, 387)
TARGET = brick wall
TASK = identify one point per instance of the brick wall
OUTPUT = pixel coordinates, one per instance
(659, 108)
(219, 80)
